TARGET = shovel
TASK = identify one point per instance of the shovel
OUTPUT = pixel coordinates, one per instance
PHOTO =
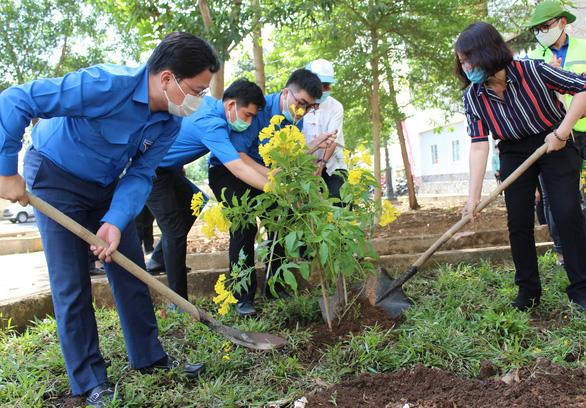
(387, 293)
(258, 341)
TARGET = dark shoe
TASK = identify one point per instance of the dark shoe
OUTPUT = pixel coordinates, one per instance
(523, 302)
(154, 267)
(281, 294)
(245, 308)
(174, 308)
(97, 271)
(101, 396)
(191, 371)
(581, 304)
(187, 268)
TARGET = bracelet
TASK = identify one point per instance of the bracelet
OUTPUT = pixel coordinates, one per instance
(559, 138)
(320, 160)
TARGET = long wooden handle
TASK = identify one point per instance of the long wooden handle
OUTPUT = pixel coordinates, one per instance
(465, 220)
(117, 257)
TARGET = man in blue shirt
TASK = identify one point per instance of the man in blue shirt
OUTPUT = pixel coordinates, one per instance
(93, 123)
(302, 90)
(209, 129)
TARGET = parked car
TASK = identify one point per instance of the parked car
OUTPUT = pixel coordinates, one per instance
(18, 213)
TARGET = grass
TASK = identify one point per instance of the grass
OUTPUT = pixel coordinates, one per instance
(460, 319)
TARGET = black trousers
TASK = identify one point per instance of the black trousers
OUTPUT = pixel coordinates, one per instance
(170, 202)
(243, 240)
(144, 228)
(334, 181)
(560, 173)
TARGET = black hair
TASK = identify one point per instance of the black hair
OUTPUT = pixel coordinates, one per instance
(482, 46)
(245, 92)
(305, 80)
(185, 54)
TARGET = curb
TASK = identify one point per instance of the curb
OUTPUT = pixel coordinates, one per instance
(201, 282)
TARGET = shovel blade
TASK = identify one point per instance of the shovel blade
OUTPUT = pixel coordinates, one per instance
(395, 303)
(375, 286)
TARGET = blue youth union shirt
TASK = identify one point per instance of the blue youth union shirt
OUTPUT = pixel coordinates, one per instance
(93, 122)
(248, 141)
(204, 131)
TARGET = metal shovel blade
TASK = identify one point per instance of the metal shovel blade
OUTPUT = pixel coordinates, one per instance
(374, 289)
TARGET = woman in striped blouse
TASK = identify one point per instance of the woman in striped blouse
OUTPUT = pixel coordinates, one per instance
(515, 102)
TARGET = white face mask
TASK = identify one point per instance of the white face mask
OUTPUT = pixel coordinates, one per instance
(190, 103)
(548, 39)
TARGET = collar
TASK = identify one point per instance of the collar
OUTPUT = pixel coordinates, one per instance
(218, 106)
(509, 79)
(141, 92)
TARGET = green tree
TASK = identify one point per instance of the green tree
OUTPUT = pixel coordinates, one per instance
(48, 38)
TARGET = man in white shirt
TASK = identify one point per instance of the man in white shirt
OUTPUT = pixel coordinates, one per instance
(328, 118)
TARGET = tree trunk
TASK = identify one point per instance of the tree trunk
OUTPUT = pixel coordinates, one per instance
(217, 84)
(388, 173)
(413, 204)
(375, 112)
(259, 63)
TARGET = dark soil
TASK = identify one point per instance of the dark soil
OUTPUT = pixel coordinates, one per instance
(543, 384)
(540, 385)
(431, 218)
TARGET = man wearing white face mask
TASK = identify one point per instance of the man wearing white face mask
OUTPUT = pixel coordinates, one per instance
(209, 129)
(558, 49)
(94, 122)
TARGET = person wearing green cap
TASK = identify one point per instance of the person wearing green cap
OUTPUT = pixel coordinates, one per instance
(558, 49)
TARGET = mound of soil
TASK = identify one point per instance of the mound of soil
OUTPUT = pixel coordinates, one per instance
(431, 218)
(540, 385)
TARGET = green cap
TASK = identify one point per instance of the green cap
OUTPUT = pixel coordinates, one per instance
(546, 11)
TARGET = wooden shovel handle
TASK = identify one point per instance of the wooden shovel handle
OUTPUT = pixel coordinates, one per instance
(117, 257)
(465, 220)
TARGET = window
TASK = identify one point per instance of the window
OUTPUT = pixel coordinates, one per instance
(455, 150)
(434, 156)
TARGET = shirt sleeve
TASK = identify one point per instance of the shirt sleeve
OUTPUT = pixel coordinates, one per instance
(78, 94)
(135, 185)
(477, 130)
(217, 140)
(336, 122)
(559, 80)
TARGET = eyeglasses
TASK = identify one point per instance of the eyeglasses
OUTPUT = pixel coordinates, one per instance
(544, 28)
(197, 94)
(305, 107)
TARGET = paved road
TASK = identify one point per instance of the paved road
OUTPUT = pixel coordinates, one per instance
(6, 227)
(22, 274)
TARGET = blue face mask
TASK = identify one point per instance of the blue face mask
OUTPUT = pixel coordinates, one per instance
(287, 112)
(476, 75)
(239, 125)
(323, 97)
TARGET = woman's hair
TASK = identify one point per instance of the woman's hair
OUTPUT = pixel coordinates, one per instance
(482, 46)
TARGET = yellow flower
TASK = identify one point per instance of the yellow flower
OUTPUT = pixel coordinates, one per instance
(214, 218)
(287, 141)
(277, 119)
(389, 214)
(225, 297)
(226, 357)
(196, 202)
(354, 176)
(367, 159)
(330, 218)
